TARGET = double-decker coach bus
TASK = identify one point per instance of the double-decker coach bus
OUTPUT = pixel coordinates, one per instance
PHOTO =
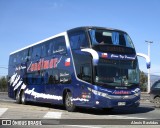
(92, 67)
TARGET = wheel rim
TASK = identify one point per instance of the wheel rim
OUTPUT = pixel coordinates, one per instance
(69, 101)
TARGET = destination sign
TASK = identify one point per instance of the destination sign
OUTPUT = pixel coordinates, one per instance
(123, 63)
(114, 49)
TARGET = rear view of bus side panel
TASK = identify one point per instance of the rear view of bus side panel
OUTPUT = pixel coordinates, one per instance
(17, 72)
(10, 73)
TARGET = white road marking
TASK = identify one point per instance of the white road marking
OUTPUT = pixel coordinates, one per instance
(53, 115)
(58, 115)
(2, 111)
(8, 100)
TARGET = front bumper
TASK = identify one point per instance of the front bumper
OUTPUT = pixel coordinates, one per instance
(117, 102)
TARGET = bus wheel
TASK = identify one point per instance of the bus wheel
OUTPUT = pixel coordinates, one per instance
(18, 99)
(68, 103)
(23, 99)
(157, 102)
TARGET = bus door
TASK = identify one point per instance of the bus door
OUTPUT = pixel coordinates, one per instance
(82, 90)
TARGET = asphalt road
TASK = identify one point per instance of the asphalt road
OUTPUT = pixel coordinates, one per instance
(56, 116)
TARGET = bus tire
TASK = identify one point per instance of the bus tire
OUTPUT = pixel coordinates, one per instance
(70, 107)
(18, 98)
(23, 98)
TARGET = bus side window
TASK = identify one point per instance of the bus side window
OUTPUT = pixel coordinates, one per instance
(27, 57)
(36, 52)
(38, 79)
(59, 46)
(47, 48)
(86, 73)
(30, 78)
(50, 76)
(45, 76)
(44, 53)
(50, 48)
(24, 55)
(12, 60)
(55, 76)
(29, 54)
(17, 58)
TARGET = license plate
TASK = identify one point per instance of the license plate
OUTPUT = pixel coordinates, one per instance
(121, 103)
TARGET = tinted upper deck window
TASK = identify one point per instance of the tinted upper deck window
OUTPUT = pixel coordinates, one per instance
(78, 40)
(59, 46)
(110, 37)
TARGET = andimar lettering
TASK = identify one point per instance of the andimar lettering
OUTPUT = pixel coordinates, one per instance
(44, 64)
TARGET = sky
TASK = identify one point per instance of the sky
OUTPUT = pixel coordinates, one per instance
(23, 22)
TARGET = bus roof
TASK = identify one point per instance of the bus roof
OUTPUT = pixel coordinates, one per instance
(95, 27)
(63, 33)
(39, 42)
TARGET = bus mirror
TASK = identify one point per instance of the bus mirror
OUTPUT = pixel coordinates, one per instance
(148, 62)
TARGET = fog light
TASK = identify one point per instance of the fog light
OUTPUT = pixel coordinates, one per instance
(97, 102)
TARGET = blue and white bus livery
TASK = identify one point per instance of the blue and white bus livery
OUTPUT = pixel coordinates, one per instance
(90, 67)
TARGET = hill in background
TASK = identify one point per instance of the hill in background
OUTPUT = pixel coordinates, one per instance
(154, 78)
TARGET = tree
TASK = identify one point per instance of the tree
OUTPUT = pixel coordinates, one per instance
(143, 81)
(3, 83)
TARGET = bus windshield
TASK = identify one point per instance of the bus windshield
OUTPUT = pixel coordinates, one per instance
(117, 73)
(110, 37)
